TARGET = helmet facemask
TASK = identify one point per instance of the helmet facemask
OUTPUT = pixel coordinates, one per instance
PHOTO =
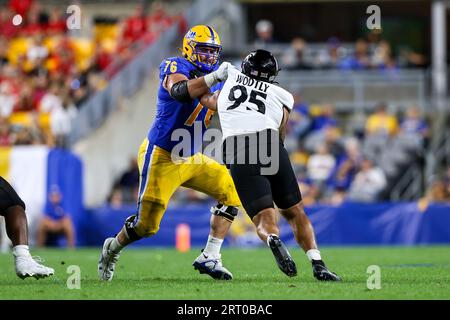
(206, 56)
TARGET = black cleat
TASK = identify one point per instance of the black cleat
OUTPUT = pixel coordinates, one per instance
(321, 272)
(282, 256)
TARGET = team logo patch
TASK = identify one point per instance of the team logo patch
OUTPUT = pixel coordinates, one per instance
(191, 34)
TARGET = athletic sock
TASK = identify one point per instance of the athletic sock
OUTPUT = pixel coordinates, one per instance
(313, 254)
(213, 245)
(115, 245)
(21, 250)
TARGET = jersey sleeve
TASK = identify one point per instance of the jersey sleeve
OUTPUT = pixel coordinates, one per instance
(173, 65)
(286, 98)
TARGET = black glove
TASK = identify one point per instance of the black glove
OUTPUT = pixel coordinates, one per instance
(193, 74)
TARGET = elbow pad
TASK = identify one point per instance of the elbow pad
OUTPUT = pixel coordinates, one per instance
(180, 91)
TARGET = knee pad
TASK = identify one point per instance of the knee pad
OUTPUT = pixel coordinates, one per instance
(227, 212)
(129, 228)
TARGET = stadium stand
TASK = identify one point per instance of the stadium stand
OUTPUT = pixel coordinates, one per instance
(362, 128)
(47, 73)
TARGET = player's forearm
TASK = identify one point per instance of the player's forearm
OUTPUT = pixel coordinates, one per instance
(197, 87)
(210, 100)
(200, 86)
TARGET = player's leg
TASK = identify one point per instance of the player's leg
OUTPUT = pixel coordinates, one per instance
(13, 210)
(159, 178)
(68, 231)
(16, 225)
(206, 175)
(288, 199)
(256, 195)
(45, 226)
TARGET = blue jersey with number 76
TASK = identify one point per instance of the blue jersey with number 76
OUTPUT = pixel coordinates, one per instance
(172, 114)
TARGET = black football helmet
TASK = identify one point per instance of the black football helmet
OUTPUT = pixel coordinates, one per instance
(261, 65)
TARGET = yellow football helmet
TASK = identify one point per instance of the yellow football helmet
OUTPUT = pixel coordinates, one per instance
(201, 46)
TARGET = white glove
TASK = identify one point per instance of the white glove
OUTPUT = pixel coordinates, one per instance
(217, 76)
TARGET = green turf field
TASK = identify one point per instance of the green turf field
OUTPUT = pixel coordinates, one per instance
(406, 273)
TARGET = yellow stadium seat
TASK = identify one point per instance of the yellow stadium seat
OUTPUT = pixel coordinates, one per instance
(44, 121)
(21, 119)
(84, 50)
(51, 43)
(109, 45)
(106, 31)
(17, 47)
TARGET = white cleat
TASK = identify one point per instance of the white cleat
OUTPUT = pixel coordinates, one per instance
(107, 261)
(31, 267)
(212, 265)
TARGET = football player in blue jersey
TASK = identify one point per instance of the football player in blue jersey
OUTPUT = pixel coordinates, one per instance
(178, 107)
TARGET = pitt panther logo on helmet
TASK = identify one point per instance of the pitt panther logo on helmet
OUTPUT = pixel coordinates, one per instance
(190, 34)
(201, 47)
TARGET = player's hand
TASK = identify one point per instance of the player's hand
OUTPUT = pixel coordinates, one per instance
(217, 76)
(222, 72)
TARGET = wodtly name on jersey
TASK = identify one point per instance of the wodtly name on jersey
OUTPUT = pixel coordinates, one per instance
(247, 81)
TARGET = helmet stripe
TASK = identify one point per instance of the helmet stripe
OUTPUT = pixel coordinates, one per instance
(212, 33)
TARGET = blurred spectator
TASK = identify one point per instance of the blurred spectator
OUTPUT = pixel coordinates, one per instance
(6, 138)
(348, 166)
(61, 121)
(7, 99)
(130, 178)
(439, 192)
(381, 122)
(360, 58)
(330, 56)
(323, 130)
(325, 119)
(381, 54)
(24, 137)
(368, 183)
(56, 22)
(129, 182)
(37, 51)
(7, 28)
(413, 124)
(294, 58)
(51, 100)
(115, 199)
(331, 138)
(134, 27)
(20, 6)
(320, 166)
(158, 20)
(310, 191)
(264, 34)
(299, 123)
(55, 222)
(4, 60)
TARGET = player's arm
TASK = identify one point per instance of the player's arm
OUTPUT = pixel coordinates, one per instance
(184, 90)
(209, 100)
(283, 123)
